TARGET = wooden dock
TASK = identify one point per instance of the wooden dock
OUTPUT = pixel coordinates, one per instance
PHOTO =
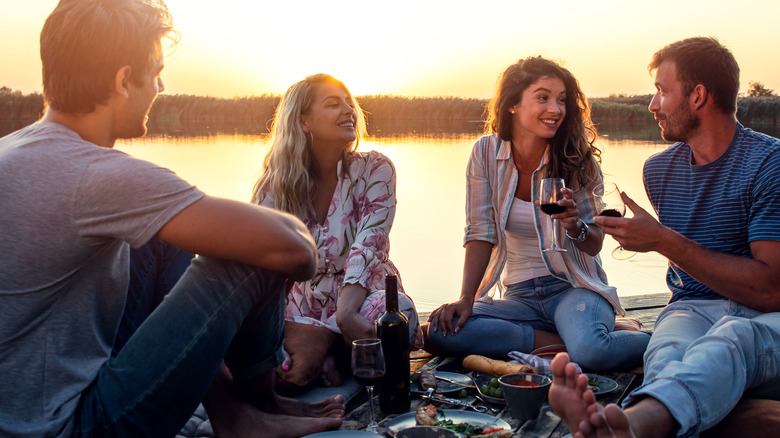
(548, 424)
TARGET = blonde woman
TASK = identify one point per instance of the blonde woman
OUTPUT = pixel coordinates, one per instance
(347, 201)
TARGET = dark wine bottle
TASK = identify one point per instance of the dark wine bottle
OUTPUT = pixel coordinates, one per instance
(393, 329)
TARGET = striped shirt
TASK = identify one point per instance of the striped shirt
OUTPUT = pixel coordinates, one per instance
(723, 205)
(491, 181)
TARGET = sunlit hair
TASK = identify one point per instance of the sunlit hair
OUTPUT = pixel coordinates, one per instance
(288, 169)
(703, 60)
(84, 43)
(573, 148)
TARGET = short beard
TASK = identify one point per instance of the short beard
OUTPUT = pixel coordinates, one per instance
(681, 124)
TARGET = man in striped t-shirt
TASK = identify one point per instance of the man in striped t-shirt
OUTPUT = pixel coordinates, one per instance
(716, 193)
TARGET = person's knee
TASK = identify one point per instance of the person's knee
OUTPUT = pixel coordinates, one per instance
(589, 356)
(442, 344)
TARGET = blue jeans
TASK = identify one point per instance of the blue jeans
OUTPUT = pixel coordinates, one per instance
(217, 310)
(583, 318)
(154, 269)
(704, 355)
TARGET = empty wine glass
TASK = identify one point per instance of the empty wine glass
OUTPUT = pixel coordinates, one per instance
(368, 367)
(611, 204)
(549, 195)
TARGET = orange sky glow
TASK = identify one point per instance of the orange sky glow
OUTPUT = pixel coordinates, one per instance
(421, 48)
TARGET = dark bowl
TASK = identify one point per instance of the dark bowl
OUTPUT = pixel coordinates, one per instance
(524, 402)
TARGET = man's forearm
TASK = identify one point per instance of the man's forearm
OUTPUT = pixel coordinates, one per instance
(745, 280)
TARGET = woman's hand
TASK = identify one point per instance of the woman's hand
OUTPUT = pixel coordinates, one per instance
(569, 219)
(354, 326)
(441, 318)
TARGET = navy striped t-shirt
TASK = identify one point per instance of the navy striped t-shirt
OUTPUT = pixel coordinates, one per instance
(723, 205)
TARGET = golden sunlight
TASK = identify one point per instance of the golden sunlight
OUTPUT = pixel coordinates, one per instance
(419, 48)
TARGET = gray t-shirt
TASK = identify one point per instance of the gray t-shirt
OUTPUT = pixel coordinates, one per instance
(68, 210)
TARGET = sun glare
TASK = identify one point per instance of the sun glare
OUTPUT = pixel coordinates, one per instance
(419, 48)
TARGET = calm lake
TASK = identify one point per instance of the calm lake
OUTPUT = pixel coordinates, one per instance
(426, 240)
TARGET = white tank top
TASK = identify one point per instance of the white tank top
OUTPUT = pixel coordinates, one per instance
(524, 258)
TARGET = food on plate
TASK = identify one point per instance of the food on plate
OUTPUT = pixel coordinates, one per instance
(429, 416)
(492, 388)
(594, 384)
(494, 367)
(427, 379)
(489, 432)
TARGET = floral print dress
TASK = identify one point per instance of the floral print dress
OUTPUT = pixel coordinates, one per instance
(353, 244)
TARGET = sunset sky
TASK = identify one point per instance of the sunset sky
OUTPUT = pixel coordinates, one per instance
(421, 47)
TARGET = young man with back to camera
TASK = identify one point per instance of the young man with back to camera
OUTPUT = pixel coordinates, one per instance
(70, 208)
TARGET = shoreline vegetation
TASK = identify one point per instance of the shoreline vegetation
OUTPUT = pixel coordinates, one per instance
(387, 115)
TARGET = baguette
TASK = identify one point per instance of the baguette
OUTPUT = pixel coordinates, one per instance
(494, 367)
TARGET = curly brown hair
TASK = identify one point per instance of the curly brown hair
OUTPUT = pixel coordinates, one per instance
(572, 149)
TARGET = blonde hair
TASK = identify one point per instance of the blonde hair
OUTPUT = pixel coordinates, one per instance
(288, 170)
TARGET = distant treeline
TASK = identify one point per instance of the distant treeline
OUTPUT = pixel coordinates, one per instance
(385, 114)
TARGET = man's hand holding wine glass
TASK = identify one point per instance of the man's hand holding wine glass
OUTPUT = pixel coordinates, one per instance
(640, 233)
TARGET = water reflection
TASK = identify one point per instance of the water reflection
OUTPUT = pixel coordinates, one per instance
(426, 241)
(376, 128)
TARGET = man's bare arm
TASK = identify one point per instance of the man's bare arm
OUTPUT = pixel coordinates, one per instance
(754, 282)
(245, 233)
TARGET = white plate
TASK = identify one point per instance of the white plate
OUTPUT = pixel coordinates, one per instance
(404, 421)
(344, 434)
(606, 385)
(443, 387)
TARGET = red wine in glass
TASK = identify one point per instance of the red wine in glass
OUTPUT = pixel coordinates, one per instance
(552, 208)
(611, 212)
(368, 367)
(612, 205)
(367, 377)
(549, 195)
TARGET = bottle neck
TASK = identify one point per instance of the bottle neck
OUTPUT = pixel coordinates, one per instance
(391, 293)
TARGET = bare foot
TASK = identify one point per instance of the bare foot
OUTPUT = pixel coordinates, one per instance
(569, 396)
(232, 416)
(331, 407)
(610, 421)
(330, 374)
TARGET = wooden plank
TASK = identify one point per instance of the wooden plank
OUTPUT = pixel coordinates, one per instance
(638, 302)
(645, 308)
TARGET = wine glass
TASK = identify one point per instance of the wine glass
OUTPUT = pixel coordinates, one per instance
(549, 195)
(368, 367)
(611, 204)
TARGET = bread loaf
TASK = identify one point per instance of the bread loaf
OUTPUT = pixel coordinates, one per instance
(494, 367)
